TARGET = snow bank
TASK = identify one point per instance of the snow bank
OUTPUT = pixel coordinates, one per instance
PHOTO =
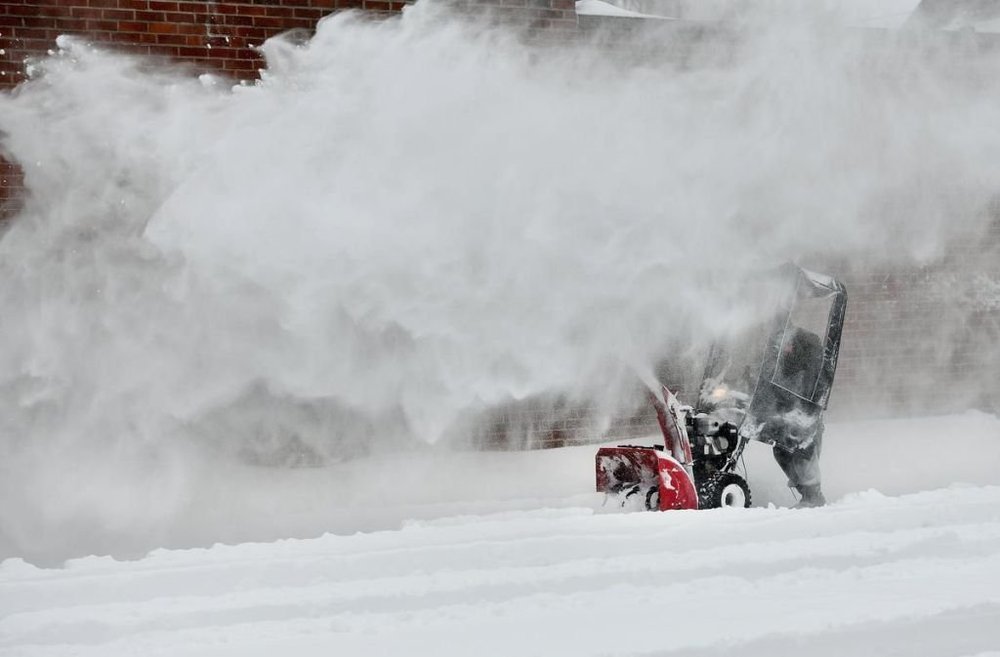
(913, 575)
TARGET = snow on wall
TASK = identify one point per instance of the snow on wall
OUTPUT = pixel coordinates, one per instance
(885, 14)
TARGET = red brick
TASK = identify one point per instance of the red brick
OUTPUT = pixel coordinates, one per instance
(20, 10)
(171, 39)
(46, 34)
(185, 28)
(160, 5)
(41, 23)
(251, 32)
(190, 28)
(133, 26)
(241, 65)
(273, 10)
(36, 44)
(251, 10)
(162, 28)
(118, 14)
(309, 14)
(102, 26)
(55, 11)
(269, 21)
(237, 42)
(92, 13)
(232, 19)
(178, 17)
(224, 52)
(195, 7)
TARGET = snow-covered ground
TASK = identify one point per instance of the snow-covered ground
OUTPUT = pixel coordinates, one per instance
(512, 554)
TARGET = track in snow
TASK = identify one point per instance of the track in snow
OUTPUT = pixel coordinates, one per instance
(913, 575)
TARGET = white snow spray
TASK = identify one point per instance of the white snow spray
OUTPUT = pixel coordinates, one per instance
(406, 221)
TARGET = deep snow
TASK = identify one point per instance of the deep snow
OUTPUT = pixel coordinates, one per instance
(512, 554)
(871, 575)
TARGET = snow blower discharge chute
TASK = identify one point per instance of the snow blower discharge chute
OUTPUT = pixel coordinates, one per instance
(757, 377)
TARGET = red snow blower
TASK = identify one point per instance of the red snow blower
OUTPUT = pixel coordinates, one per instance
(697, 467)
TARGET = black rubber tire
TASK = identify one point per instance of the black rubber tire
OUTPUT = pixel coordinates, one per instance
(725, 489)
(653, 499)
(626, 493)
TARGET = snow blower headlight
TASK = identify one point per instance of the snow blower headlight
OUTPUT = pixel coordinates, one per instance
(719, 393)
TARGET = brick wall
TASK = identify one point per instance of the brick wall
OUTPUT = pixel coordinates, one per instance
(10, 189)
(879, 372)
(214, 35)
(210, 35)
(218, 36)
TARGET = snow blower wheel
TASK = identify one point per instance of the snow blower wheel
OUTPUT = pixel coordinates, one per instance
(727, 490)
(653, 499)
(626, 497)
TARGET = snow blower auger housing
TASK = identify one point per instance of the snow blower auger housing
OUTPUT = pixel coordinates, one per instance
(697, 465)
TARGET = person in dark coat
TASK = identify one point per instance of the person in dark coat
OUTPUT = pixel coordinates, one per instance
(793, 424)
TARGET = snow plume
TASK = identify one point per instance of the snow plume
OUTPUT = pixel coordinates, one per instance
(410, 220)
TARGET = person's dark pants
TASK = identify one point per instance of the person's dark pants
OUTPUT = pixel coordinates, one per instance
(801, 466)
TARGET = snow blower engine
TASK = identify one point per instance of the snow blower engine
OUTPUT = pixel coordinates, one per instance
(755, 378)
